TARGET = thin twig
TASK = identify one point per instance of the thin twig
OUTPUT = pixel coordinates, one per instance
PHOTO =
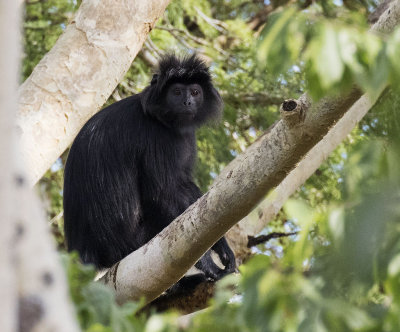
(197, 40)
(186, 33)
(153, 48)
(255, 240)
(216, 24)
(57, 217)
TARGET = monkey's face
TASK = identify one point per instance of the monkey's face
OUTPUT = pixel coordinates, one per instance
(183, 102)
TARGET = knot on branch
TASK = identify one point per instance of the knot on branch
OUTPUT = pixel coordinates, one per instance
(293, 111)
(30, 312)
(289, 105)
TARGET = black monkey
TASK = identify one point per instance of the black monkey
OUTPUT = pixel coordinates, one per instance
(129, 170)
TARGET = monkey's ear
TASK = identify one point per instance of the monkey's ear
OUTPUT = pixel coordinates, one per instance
(154, 79)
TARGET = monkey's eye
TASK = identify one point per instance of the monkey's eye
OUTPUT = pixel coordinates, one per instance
(177, 92)
(195, 92)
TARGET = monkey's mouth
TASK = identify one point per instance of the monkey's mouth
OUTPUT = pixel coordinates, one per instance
(178, 118)
(185, 114)
(181, 113)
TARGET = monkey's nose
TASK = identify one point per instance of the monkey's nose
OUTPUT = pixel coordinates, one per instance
(187, 103)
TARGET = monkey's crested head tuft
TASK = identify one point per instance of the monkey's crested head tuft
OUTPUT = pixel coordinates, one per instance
(188, 69)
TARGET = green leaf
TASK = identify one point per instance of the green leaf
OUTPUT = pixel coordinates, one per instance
(394, 266)
(298, 210)
(336, 223)
(393, 54)
(324, 53)
(348, 50)
(273, 50)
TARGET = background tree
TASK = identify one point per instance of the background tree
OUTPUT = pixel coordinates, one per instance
(33, 285)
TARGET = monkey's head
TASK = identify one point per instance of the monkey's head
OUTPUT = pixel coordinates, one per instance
(181, 93)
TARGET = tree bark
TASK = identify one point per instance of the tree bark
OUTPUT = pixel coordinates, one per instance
(233, 195)
(254, 223)
(76, 77)
(9, 37)
(43, 300)
(251, 225)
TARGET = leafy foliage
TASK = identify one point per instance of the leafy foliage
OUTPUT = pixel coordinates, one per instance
(95, 303)
(334, 53)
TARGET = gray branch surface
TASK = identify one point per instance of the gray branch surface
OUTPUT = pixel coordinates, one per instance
(77, 76)
(236, 191)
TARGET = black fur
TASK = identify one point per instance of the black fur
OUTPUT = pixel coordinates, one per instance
(129, 170)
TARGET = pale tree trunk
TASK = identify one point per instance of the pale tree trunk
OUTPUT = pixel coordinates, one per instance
(33, 288)
(241, 185)
(9, 25)
(44, 303)
(76, 77)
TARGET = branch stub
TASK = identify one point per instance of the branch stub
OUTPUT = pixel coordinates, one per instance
(292, 112)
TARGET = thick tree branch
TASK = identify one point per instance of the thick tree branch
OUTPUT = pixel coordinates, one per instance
(241, 234)
(389, 19)
(234, 194)
(76, 77)
(268, 209)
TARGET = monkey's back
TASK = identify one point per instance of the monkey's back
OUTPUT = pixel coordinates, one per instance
(99, 225)
(126, 178)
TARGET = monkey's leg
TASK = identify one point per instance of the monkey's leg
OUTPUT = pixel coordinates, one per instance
(187, 283)
(210, 269)
(226, 255)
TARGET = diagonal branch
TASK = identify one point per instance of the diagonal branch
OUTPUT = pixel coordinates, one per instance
(160, 263)
(79, 73)
(233, 195)
(272, 204)
(240, 236)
